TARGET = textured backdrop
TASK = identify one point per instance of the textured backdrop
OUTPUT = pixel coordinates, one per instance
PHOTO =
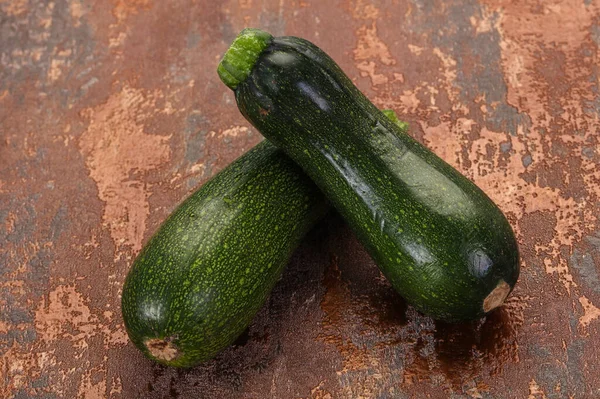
(111, 113)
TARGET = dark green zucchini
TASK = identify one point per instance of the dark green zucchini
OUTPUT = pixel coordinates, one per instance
(199, 281)
(442, 243)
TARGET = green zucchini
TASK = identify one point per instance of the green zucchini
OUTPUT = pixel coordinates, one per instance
(199, 281)
(441, 242)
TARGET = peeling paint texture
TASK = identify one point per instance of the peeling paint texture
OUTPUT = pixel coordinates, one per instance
(111, 112)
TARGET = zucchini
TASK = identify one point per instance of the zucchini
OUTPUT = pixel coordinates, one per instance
(199, 281)
(441, 242)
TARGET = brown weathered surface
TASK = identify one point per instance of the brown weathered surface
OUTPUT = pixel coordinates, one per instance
(111, 112)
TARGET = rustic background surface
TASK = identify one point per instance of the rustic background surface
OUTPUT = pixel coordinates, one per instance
(111, 112)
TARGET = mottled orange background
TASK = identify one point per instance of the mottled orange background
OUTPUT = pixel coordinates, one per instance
(111, 112)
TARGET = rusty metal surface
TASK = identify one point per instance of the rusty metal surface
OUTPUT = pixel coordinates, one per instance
(111, 112)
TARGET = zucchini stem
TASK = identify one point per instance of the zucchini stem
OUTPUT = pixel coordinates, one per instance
(239, 59)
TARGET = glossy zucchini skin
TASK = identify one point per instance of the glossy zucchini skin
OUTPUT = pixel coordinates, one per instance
(199, 281)
(441, 242)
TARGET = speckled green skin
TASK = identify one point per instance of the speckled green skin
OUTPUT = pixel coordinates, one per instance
(442, 243)
(203, 276)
